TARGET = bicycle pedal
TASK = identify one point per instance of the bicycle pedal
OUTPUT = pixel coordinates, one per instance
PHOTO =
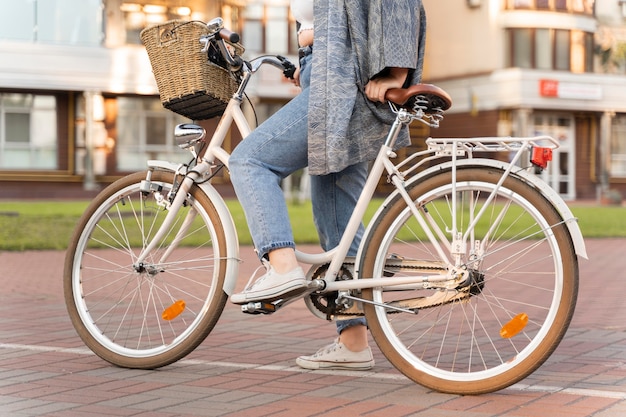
(258, 307)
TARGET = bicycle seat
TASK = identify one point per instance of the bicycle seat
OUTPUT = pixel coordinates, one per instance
(435, 97)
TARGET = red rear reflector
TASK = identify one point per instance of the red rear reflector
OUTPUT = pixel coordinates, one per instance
(541, 156)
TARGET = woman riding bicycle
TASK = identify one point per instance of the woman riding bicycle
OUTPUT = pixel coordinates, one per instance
(357, 52)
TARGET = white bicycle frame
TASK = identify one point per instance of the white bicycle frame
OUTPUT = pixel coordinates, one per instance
(444, 246)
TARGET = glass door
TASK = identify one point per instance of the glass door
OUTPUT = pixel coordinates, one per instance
(560, 173)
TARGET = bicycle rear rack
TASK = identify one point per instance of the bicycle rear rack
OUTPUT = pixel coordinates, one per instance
(466, 147)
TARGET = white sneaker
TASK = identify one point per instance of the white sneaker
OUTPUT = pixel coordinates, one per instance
(337, 356)
(273, 286)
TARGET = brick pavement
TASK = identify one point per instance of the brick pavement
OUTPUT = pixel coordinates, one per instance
(246, 366)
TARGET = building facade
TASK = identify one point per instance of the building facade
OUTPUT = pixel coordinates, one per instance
(531, 67)
(79, 105)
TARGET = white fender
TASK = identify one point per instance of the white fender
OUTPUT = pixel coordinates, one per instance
(548, 192)
(230, 232)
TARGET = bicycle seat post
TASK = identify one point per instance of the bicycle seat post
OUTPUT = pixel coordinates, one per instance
(403, 118)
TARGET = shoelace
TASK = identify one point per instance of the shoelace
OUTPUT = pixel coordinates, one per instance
(250, 284)
(327, 349)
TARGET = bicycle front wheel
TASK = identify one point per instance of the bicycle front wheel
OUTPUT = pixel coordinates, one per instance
(509, 313)
(152, 314)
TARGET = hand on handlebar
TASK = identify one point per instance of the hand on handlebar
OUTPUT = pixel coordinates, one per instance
(376, 88)
(296, 77)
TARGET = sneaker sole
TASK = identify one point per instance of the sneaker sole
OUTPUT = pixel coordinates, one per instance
(290, 291)
(347, 366)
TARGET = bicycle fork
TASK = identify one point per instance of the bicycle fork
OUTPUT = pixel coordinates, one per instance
(173, 208)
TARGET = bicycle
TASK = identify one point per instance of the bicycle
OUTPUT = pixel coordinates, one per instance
(467, 274)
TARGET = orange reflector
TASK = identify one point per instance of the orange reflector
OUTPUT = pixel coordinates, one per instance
(174, 310)
(514, 326)
(541, 156)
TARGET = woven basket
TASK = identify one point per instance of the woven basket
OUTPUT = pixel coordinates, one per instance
(189, 84)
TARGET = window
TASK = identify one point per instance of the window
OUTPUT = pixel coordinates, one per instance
(561, 49)
(560, 5)
(277, 30)
(28, 132)
(269, 29)
(543, 48)
(253, 27)
(542, 4)
(618, 147)
(76, 22)
(551, 49)
(522, 4)
(522, 48)
(20, 23)
(145, 131)
(139, 14)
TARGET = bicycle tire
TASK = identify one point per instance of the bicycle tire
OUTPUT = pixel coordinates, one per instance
(528, 267)
(118, 309)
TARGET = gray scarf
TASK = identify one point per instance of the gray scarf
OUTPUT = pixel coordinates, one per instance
(354, 41)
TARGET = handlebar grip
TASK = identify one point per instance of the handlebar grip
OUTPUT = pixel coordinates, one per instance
(288, 68)
(229, 36)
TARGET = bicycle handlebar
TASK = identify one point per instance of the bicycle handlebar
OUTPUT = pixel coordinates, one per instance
(277, 61)
(218, 37)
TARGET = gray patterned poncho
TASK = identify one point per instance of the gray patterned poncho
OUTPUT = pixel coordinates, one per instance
(354, 41)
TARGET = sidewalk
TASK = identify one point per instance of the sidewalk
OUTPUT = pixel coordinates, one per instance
(246, 366)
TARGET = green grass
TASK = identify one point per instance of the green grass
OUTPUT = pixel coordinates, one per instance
(601, 221)
(43, 225)
(38, 225)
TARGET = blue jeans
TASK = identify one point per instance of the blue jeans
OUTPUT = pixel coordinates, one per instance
(273, 151)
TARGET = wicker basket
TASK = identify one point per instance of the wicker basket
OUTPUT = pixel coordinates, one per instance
(189, 84)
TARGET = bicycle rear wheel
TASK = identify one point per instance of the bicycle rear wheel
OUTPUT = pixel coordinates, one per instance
(511, 312)
(150, 315)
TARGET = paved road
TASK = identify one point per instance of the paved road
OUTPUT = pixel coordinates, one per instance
(246, 366)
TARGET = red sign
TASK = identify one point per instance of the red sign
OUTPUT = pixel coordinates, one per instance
(548, 88)
(574, 91)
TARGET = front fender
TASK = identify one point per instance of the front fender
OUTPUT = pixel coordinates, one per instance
(230, 233)
(231, 251)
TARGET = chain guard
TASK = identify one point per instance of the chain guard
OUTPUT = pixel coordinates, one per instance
(325, 303)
